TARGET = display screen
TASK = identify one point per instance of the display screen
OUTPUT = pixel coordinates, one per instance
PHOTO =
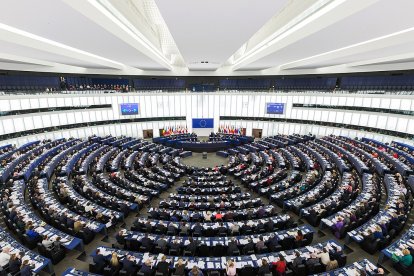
(275, 108)
(203, 123)
(129, 108)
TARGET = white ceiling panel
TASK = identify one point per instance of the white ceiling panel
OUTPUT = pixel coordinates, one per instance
(54, 20)
(382, 18)
(213, 30)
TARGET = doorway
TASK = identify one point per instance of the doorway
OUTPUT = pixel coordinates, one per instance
(257, 132)
(148, 133)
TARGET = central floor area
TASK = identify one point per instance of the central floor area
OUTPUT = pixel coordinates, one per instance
(196, 160)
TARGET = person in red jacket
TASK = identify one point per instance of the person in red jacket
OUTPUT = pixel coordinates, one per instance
(280, 266)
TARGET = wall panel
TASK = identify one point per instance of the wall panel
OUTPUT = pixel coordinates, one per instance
(208, 105)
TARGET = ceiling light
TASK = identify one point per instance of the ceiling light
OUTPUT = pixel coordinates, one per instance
(315, 11)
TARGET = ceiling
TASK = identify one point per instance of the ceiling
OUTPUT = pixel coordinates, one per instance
(208, 38)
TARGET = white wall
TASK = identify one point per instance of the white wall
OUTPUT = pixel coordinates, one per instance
(208, 105)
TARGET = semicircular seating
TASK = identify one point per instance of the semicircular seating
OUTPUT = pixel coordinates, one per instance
(254, 209)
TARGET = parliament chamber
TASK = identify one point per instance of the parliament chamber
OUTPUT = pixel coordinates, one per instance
(216, 138)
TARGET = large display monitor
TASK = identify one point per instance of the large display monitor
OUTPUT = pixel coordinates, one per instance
(275, 108)
(129, 109)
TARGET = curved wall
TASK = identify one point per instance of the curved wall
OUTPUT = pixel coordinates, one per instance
(240, 109)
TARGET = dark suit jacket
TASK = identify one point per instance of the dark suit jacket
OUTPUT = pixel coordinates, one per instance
(99, 260)
(14, 265)
(232, 246)
(128, 266)
(146, 270)
(147, 242)
(163, 267)
(191, 247)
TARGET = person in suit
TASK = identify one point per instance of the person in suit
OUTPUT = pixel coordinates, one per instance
(312, 261)
(163, 266)
(120, 236)
(221, 229)
(161, 227)
(272, 242)
(26, 268)
(99, 260)
(248, 247)
(162, 243)
(264, 268)
(269, 225)
(184, 228)
(198, 229)
(192, 246)
(172, 228)
(260, 244)
(298, 260)
(14, 263)
(70, 223)
(146, 242)
(232, 246)
(246, 228)
(176, 246)
(128, 265)
(146, 268)
(195, 271)
(57, 244)
(180, 267)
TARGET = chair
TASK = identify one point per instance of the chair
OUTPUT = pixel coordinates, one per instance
(108, 271)
(54, 255)
(203, 250)
(31, 244)
(94, 268)
(235, 253)
(173, 252)
(300, 270)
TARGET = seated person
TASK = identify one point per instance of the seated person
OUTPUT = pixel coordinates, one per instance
(26, 268)
(260, 244)
(163, 266)
(128, 265)
(99, 260)
(162, 243)
(280, 265)
(324, 256)
(378, 233)
(180, 267)
(5, 256)
(14, 263)
(298, 260)
(248, 247)
(299, 238)
(264, 268)
(114, 263)
(195, 271)
(406, 259)
(47, 243)
(146, 267)
(32, 234)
